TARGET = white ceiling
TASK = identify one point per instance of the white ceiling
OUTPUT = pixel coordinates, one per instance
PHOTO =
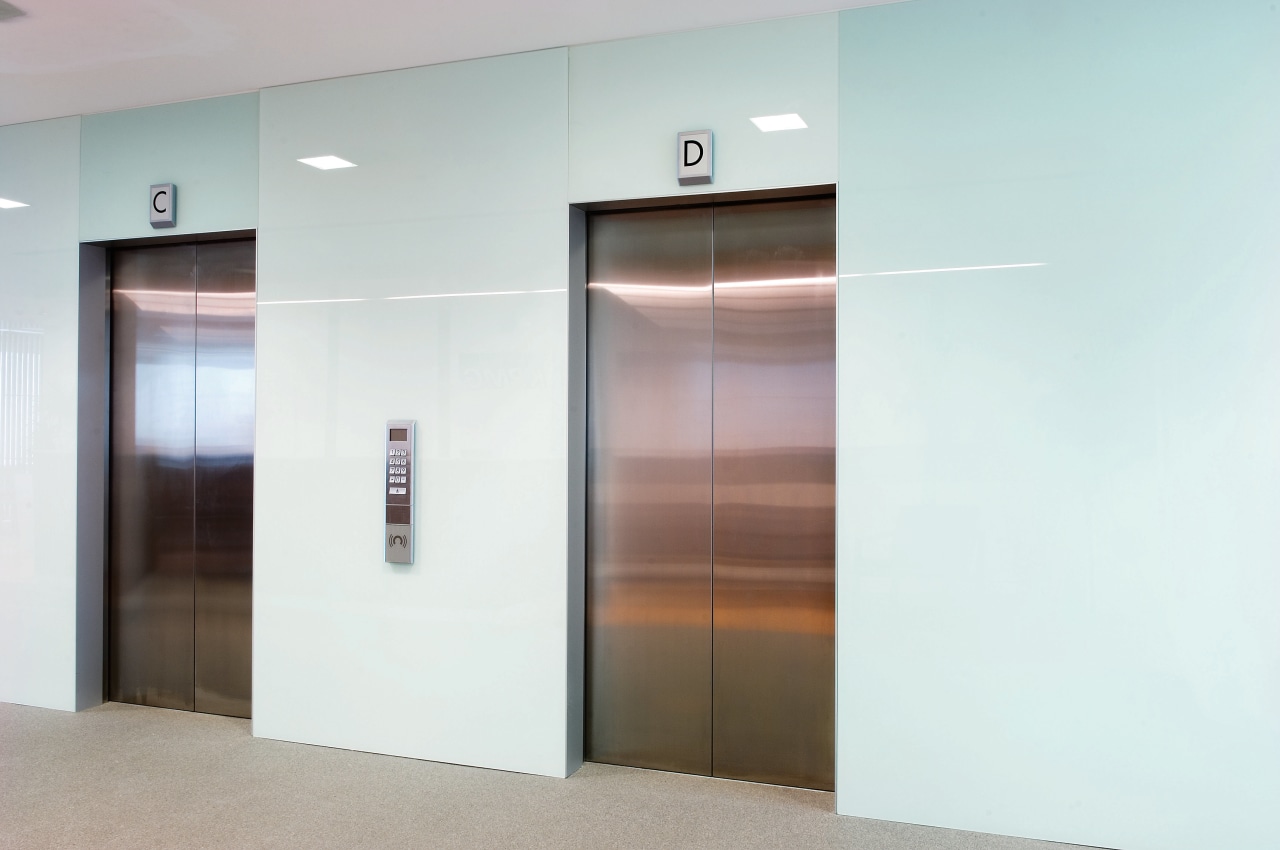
(67, 58)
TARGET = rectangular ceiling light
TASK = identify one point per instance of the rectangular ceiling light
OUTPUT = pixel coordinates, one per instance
(6, 204)
(327, 162)
(769, 123)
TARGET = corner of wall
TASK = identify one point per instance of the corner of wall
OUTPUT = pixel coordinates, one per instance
(91, 477)
(576, 492)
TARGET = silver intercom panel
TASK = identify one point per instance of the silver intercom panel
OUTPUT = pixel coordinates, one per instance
(399, 492)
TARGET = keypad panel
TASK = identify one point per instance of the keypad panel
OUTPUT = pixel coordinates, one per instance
(398, 492)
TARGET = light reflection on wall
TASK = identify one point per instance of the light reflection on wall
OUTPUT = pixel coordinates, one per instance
(19, 394)
(20, 350)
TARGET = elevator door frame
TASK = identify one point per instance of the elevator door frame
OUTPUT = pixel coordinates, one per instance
(94, 440)
(579, 440)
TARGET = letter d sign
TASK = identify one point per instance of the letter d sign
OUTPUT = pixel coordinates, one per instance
(693, 157)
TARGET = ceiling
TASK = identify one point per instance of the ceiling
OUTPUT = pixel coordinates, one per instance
(62, 58)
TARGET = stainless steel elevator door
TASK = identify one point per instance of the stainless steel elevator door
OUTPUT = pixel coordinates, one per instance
(181, 507)
(774, 547)
(711, 490)
(649, 510)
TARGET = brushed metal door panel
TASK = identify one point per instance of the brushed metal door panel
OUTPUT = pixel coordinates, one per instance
(181, 513)
(224, 390)
(649, 490)
(774, 501)
(150, 571)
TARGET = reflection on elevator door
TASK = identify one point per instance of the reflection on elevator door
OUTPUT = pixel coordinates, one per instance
(711, 491)
(180, 561)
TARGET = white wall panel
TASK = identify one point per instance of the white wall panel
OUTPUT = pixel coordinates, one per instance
(628, 100)
(208, 148)
(1059, 483)
(429, 283)
(39, 304)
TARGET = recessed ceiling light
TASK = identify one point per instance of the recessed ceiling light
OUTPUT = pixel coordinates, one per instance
(6, 204)
(769, 123)
(327, 162)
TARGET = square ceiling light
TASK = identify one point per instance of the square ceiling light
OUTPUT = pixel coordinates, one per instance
(324, 163)
(770, 123)
(6, 204)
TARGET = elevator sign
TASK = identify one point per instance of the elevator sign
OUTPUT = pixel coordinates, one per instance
(693, 157)
(164, 205)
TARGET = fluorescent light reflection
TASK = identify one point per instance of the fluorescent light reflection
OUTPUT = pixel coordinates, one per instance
(318, 301)
(189, 293)
(777, 281)
(324, 163)
(772, 123)
(6, 204)
(641, 288)
(182, 301)
(413, 297)
(954, 269)
(469, 294)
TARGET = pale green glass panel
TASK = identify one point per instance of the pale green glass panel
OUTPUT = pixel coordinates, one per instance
(458, 182)
(628, 100)
(39, 306)
(427, 282)
(207, 148)
(1059, 482)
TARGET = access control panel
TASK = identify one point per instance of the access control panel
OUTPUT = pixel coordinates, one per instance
(399, 492)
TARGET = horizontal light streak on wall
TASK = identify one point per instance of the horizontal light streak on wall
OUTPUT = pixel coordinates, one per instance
(6, 204)
(318, 301)
(954, 269)
(470, 294)
(413, 297)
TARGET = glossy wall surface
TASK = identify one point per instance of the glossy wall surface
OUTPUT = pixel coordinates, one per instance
(207, 148)
(1058, 482)
(429, 282)
(42, 624)
(628, 100)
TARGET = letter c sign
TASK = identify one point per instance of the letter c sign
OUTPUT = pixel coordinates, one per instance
(164, 205)
(693, 157)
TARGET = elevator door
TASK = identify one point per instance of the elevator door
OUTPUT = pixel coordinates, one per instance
(711, 491)
(180, 561)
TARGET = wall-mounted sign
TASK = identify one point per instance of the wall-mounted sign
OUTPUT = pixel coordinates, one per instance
(164, 205)
(693, 157)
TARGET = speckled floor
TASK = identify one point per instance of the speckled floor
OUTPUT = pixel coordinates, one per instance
(130, 777)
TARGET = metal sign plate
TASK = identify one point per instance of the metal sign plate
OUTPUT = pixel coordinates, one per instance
(693, 157)
(164, 205)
